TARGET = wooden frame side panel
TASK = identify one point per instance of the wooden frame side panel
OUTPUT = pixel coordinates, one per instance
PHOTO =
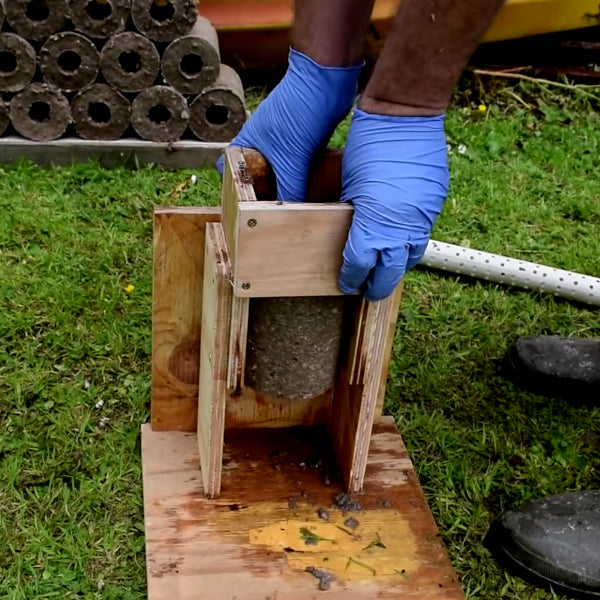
(237, 188)
(290, 249)
(214, 347)
(178, 274)
(388, 348)
(358, 387)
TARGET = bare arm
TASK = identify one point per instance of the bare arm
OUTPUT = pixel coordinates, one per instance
(424, 55)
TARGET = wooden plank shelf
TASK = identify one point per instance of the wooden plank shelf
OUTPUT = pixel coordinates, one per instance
(183, 154)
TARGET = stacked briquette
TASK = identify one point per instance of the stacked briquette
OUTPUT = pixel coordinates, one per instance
(112, 66)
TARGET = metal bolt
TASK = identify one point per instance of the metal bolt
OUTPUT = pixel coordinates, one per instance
(245, 285)
(252, 222)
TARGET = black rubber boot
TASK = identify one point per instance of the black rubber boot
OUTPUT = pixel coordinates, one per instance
(556, 366)
(553, 542)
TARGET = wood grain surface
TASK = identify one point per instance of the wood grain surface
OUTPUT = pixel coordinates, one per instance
(214, 354)
(178, 275)
(249, 544)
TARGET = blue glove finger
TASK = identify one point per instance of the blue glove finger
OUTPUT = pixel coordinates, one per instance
(358, 261)
(395, 172)
(389, 270)
(415, 254)
(297, 118)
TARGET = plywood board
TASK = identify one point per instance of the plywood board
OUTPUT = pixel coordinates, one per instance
(290, 249)
(214, 351)
(358, 386)
(280, 249)
(249, 408)
(249, 543)
(178, 274)
(388, 349)
(179, 240)
(237, 187)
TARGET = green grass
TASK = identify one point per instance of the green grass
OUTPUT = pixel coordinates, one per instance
(75, 351)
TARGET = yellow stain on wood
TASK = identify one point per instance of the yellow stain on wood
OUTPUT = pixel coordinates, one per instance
(381, 546)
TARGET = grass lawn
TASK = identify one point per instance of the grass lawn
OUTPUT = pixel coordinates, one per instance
(75, 292)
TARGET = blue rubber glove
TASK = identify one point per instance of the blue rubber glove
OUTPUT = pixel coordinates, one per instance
(297, 118)
(395, 172)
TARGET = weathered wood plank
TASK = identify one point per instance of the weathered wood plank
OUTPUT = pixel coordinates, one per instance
(358, 387)
(178, 275)
(309, 240)
(280, 249)
(237, 187)
(214, 350)
(222, 548)
(184, 154)
(388, 349)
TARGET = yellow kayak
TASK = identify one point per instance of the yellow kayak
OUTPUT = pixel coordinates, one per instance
(255, 33)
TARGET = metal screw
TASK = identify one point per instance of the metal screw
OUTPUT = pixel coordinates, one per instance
(245, 285)
(252, 223)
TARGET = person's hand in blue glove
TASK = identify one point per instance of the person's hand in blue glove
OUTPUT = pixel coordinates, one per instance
(395, 172)
(297, 118)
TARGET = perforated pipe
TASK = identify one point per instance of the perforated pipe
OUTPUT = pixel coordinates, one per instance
(510, 271)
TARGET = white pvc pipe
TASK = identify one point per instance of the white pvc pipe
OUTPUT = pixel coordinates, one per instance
(510, 271)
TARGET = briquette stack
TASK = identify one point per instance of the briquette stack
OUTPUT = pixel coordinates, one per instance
(104, 69)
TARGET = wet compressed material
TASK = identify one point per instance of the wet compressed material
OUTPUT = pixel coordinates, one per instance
(191, 62)
(36, 19)
(293, 345)
(160, 114)
(40, 112)
(17, 62)
(218, 113)
(164, 20)
(130, 62)
(69, 61)
(100, 18)
(100, 113)
(553, 542)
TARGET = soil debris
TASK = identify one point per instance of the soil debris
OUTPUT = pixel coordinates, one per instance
(325, 578)
(351, 523)
(323, 514)
(346, 503)
(385, 503)
(293, 503)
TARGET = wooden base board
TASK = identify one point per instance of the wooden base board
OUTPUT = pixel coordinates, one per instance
(183, 154)
(250, 543)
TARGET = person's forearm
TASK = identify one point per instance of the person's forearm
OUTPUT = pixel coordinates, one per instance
(424, 55)
(331, 32)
